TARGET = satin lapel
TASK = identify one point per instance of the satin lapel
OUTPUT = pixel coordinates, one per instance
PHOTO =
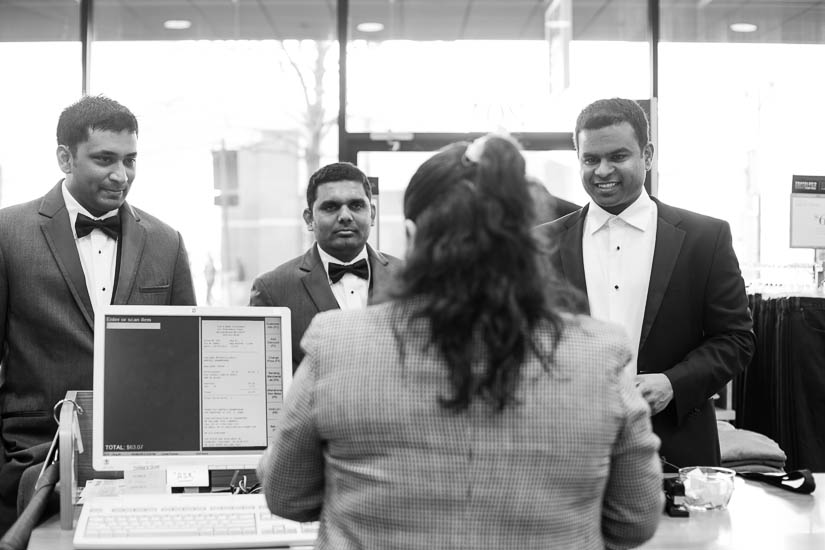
(570, 245)
(316, 282)
(60, 239)
(131, 250)
(669, 239)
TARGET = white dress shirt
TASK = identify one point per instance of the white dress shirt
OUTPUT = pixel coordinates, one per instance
(351, 291)
(98, 253)
(618, 254)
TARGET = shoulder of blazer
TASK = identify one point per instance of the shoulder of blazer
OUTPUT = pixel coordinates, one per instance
(383, 259)
(686, 219)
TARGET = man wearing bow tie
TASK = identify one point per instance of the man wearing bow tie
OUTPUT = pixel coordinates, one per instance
(64, 256)
(340, 270)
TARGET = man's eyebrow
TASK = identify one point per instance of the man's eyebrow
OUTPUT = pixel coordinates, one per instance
(109, 153)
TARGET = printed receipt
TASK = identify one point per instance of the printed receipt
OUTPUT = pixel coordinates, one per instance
(241, 389)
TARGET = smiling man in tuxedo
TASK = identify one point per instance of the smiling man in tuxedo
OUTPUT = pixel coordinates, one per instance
(64, 256)
(339, 271)
(669, 276)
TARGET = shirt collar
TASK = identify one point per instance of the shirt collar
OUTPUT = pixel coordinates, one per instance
(327, 258)
(637, 215)
(74, 208)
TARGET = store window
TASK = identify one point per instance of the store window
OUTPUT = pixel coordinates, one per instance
(738, 116)
(237, 103)
(520, 65)
(41, 74)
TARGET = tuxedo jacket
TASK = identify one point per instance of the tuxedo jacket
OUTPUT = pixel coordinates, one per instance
(46, 315)
(364, 443)
(696, 329)
(302, 285)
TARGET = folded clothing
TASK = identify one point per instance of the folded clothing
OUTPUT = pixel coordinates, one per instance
(744, 450)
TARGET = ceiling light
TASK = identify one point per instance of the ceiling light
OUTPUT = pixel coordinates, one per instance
(743, 27)
(370, 26)
(177, 24)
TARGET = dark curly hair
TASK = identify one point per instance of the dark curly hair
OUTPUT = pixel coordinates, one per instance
(477, 271)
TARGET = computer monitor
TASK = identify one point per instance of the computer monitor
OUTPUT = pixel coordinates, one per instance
(187, 386)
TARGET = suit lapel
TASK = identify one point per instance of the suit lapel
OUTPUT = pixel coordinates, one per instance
(61, 241)
(669, 239)
(133, 239)
(381, 276)
(570, 246)
(316, 282)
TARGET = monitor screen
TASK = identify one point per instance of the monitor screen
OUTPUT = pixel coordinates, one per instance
(188, 386)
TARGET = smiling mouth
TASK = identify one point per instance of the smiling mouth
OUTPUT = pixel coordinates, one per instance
(606, 185)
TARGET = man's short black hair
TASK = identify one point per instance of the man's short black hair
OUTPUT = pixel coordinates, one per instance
(337, 171)
(92, 113)
(608, 112)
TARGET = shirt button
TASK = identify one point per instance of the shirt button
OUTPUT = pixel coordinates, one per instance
(616, 287)
(618, 247)
(104, 289)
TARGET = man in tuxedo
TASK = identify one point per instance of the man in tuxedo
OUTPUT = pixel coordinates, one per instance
(669, 276)
(62, 257)
(340, 270)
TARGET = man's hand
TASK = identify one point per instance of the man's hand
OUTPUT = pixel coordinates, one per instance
(656, 390)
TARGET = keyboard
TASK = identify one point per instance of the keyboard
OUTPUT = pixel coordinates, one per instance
(201, 520)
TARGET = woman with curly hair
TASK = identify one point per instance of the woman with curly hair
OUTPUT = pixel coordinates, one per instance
(477, 409)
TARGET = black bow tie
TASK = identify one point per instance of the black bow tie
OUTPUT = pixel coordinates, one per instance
(359, 269)
(83, 225)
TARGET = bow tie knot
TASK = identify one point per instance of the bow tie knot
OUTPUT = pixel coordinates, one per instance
(84, 225)
(359, 269)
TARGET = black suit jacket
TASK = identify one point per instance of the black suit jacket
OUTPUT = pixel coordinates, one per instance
(46, 315)
(302, 285)
(697, 328)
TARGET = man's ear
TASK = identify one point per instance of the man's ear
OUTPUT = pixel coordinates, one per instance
(648, 156)
(372, 213)
(64, 159)
(308, 218)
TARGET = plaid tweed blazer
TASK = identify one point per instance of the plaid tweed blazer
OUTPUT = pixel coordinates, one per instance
(365, 447)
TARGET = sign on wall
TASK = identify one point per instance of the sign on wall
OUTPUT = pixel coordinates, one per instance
(808, 212)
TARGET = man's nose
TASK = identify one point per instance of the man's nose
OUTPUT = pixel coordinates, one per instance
(604, 168)
(118, 173)
(345, 214)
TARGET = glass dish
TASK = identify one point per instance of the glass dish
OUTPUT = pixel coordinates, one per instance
(707, 487)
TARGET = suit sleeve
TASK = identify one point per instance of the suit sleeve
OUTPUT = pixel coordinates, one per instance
(292, 469)
(633, 497)
(259, 296)
(728, 343)
(183, 290)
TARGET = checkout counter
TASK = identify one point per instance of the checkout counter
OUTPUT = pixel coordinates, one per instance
(758, 516)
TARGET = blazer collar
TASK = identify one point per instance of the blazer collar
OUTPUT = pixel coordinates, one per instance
(60, 239)
(669, 239)
(570, 246)
(133, 240)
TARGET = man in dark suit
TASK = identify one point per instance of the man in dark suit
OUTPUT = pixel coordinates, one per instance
(62, 257)
(669, 276)
(340, 270)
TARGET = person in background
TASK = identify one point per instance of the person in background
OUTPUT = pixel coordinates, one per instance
(339, 271)
(547, 206)
(669, 276)
(64, 256)
(474, 409)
